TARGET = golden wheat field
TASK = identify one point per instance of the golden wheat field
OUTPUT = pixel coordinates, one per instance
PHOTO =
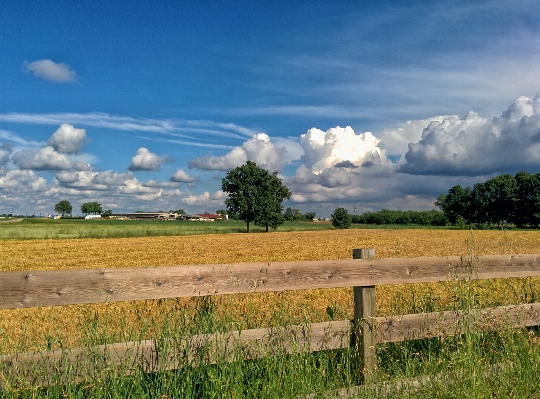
(31, 329)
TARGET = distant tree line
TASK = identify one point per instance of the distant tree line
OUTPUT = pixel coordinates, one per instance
(499, 201)
(293, 215)
(64, 207)
(386, 216)
(289, 215)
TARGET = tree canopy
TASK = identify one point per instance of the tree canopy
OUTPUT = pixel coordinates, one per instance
(292, 215)
(456, 203)
(498, 201)
(309, 216)
(91, 207)
(255, 195)
(222, 212)
(341, 218)
(386, 216)
(63, 207)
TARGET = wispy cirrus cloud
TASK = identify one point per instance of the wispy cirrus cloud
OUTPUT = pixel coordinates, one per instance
(96, 119)
(174, 127)
(302, 110)
(16, 139)
(190, 143)
(227, 126)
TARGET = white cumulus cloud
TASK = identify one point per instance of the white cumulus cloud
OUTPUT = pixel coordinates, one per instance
(396, 141)
(161, 184)
(91, 180)
(44, 159)
(258, 149)
(134, 186)
(150, 196)
(146, 160)
(50, 70)
(67, 139)
(5, 152)
(21, 181)
(182, 177)
(206, 199)
(475, 145)
(339, 146)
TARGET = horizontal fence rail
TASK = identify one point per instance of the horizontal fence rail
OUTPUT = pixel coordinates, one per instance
(68, 287)
(77, 364)
(364, 332)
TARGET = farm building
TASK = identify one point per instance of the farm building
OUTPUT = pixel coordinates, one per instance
(204, 217)
(146, 216)
(92, 217)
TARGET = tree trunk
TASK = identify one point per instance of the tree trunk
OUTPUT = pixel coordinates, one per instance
(247, 227)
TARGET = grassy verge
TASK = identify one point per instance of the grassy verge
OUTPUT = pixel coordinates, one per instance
(502, 364)
(28, 229)
(31, 228)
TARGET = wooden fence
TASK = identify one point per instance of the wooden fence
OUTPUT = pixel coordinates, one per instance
(365, 331)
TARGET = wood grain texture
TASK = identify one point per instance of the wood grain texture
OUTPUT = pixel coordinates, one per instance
(78, 364)
(449, 323)
(65, 287)
(365, 312)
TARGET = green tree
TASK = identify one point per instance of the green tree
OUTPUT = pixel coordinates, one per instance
(478, 205)
(309, 216)
(63, 207)
(91, 207)
(292, 215)
(527, 209)
(223, 213)
(455, 204)
(107, 213)
(288, 215)
(255, 195)
(270, 212)
(504, 195)
(495, 200)
(341, 218)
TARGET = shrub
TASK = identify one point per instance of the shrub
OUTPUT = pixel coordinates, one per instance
(341, 218)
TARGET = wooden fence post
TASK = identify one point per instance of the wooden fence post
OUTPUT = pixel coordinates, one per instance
(365, 333)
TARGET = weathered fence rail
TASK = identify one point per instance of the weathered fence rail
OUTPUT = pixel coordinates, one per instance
(67, 287)
(363, 273)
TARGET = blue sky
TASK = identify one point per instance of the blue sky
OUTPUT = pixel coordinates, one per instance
(365, 105)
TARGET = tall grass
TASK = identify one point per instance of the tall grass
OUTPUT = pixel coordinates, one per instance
(277, 375)
(501, 364)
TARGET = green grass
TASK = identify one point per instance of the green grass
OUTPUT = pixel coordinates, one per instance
(502, 364)
(37, 228)
(79, 228)
(400, 226)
